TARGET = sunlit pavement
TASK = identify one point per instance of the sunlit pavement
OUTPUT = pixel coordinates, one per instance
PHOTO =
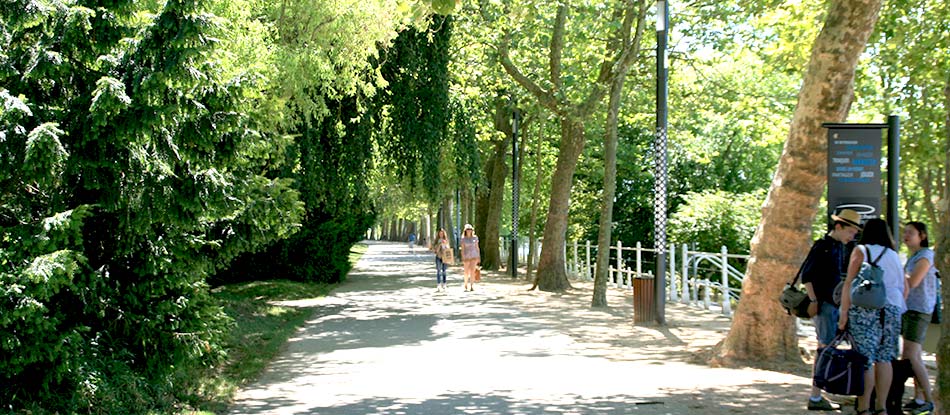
(386, 342)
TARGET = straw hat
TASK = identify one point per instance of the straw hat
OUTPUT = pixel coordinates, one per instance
(848, 216)
(467, 227)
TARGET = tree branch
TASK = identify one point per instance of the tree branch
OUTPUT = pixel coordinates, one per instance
(545, 98)
(557, 47)
(628, 53)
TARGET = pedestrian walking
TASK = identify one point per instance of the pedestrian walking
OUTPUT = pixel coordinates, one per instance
(443, 257)
(821, 273)
(921, 276)
(471, 256)
(412, 242)
(876, 332)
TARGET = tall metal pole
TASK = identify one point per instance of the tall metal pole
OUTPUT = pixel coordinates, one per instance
(893, 174)
(458, 222)
(660, 149)
(513, 252)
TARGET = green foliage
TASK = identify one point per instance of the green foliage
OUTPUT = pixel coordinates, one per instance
(465, 150)
(714, 219)
(417, 103)
(334, 155)
(131, 171)
(906, 76)
(260, 330)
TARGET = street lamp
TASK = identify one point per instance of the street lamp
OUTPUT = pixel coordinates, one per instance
(513, 252)
(660, 148)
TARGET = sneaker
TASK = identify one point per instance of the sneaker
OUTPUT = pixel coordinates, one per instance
(912, 405)
(821, 405)
(924, 408)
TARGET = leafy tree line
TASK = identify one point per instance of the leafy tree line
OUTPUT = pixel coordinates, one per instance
(132, 171)
(149, 148)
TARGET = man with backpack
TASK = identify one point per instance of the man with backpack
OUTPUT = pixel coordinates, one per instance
(820, 274)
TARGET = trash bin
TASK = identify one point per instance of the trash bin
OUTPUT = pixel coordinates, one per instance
(644, 309)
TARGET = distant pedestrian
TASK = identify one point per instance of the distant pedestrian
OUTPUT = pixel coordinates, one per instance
(412, 242)
(876, 332)
(443, 256)
(821, 273)
(921, 278)
(471, 256)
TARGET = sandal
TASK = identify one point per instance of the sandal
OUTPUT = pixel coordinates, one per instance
(879, 412)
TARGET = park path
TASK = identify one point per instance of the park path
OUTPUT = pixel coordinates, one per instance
(385, 342)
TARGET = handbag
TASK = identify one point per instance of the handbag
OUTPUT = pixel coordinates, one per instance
(867, 288)
(448, 256)
(840, 371)
(794, 299)
(478, 274)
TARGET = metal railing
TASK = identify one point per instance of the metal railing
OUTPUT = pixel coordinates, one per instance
(704, 279)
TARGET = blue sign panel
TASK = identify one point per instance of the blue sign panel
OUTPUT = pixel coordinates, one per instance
(854, 170)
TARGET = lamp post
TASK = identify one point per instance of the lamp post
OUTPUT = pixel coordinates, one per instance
(660, 175)
(513, 252)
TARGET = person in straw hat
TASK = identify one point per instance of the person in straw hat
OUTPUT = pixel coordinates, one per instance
(471, 256)
(821, 273)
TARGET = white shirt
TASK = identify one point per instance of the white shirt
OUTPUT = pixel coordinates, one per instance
(890, 262)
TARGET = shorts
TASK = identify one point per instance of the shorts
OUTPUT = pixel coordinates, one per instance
(826, 323)
(914, 326)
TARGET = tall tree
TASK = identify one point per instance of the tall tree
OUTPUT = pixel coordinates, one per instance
(572, 108)
(630, 47)
(535, 200)
(760, 330)
(943, 262)
(491, 195)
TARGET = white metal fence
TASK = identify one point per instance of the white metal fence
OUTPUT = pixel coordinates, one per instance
(693, 277)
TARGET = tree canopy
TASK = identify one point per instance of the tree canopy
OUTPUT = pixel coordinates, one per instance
(150, 151)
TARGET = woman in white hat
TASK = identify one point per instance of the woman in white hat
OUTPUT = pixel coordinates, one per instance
(471, 256)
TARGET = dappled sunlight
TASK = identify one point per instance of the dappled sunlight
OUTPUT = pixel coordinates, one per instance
(387, 342)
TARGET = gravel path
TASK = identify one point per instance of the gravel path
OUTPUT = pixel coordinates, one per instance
(385, 342)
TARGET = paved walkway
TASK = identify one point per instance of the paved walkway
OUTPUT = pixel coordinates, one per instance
(385, 342)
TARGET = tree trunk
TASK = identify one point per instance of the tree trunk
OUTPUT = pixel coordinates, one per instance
(489, 231)
(490, 234)
(450, 218)
(535, 202)
(943, 264)
(927, 179)
(525, 135)
(629, 46)
(482, 201)
(551, 273)
(551, 266)
(607, 203)
(761, 331)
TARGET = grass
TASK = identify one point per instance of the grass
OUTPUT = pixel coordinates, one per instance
(261, 328)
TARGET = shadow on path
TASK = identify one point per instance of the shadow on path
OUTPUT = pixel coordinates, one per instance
(386, 342)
